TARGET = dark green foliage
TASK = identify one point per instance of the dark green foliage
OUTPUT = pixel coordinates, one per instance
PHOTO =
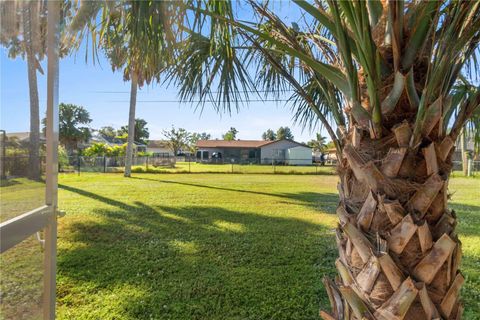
(269, 135)
(108, 132)
(73, 122)
(141, 131)
(177, 139)
(230, 134)
(284, 133)
(318, 144)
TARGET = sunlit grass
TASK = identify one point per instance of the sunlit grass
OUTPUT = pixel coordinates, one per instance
(20, 195)
(192, 167)
(202, 246)
(209, 246)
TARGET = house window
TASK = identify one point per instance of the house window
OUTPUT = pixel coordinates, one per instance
(205, 155)
(252, 154)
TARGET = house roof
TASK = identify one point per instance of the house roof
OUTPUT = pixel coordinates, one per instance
(22, 136)
(297, 143)
(157, 144)
(238, 143)
(99, 138)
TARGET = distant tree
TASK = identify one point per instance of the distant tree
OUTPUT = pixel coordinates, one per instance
(117, 151)
(134, 39)
(284, 133)
(96, 150)
(269, 135)
(205, 136)
(193, 139)
(101, 149)
(62, 158)
(141, 133)
(230, 134)
(177, 139)
(108, 132)
(73, 122)
(318, 144)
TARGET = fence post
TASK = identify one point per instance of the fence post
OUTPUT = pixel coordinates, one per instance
(104, 164)
(78, 163)
(146, 163)
(3, 172)
(189, 160)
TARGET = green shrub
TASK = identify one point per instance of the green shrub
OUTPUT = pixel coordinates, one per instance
(62, 157)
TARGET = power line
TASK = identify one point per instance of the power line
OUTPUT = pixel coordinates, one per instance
(200, 101)
(241, 91)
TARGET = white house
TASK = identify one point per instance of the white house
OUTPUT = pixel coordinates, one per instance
(299, 155)
(159, 148)
(280, 151)
(254, 151)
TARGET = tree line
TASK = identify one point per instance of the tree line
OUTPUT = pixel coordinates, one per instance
(74, 130)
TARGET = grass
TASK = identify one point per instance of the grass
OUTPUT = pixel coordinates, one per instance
(197, 246)
(212, 246)
(19, 196)
(192, 167)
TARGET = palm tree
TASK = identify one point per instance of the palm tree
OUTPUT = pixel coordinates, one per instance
(23, 31)
(319, 144)
(471, 127)
(134, 37)
(73, 126)
(30, 17)
(378, 76)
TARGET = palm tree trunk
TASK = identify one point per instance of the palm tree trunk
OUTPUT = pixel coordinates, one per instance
(131, 125)
(34, 143)
(463, 146)
(398, 251)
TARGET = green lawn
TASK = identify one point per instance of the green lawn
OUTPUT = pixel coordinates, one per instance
(19, 196)
(184, 167)
(213, 246)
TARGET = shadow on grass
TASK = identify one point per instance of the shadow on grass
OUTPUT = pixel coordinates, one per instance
(468, 217)
(198, 262)
(8, 182)
(206, 262)
(327, 202)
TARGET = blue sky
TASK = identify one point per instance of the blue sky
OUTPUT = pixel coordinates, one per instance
(86, 84)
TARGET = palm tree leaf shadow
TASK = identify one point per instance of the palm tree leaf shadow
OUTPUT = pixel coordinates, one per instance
(210, 252)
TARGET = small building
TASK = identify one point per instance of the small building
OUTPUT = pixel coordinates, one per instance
(254, 151)
(331, 156)
(159, 148)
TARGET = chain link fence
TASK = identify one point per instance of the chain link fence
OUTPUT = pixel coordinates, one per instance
(186, 164)
(18, 165)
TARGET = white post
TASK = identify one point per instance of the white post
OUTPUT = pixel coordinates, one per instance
(469, 167)
(51, 172)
